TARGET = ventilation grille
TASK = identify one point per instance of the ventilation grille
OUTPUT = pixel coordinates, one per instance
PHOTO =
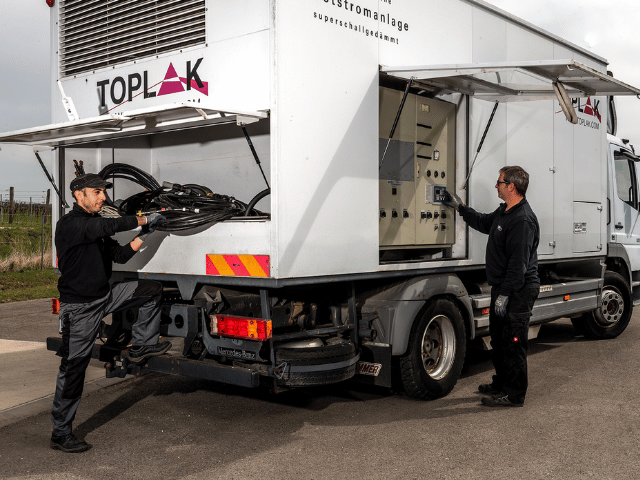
(99, 33)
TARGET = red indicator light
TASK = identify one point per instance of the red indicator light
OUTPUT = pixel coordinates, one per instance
(51, 2)
(241, 327)
(55, 306)
(566, 297)
(485, 311)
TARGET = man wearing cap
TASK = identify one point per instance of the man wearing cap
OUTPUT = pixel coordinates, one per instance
(85, 254)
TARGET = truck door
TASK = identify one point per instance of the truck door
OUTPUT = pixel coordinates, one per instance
(624, 225)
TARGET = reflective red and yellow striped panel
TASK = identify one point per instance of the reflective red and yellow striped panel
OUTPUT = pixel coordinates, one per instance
(238, 265)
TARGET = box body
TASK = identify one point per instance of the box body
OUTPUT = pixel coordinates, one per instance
(315, 67)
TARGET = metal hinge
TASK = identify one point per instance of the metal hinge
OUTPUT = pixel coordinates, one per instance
(552, 169)
(552, 244)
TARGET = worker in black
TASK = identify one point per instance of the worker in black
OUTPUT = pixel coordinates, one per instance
(512, 273)
(85, 253)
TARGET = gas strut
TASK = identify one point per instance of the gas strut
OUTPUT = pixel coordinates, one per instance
(486, 129)
(395, 123)
(255, 154)
(64, 203)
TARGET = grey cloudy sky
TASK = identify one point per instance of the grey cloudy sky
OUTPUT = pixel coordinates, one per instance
(609, 29)
(24, 89)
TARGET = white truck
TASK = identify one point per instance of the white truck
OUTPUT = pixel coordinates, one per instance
(359, 114)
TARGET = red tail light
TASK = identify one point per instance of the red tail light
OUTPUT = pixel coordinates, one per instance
(241, 327)
(55, 306)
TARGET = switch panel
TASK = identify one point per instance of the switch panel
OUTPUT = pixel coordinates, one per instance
(418, 167)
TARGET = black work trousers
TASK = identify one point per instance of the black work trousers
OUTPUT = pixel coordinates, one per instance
(509, 336)
(80, 325)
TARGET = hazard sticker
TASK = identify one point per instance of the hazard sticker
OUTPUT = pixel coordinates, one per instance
(366, 368)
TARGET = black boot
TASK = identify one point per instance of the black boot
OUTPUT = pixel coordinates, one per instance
(69, 443)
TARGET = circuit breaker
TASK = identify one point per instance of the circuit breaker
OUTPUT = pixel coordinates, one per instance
(418, 166)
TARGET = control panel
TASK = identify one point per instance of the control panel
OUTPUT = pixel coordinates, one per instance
(418, 166)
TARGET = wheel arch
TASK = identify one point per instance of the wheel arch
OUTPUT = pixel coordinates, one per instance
(618, 261)
(405, 302)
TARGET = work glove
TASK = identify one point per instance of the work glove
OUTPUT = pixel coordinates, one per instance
(501, 305)
(451, 200)
(148, 228)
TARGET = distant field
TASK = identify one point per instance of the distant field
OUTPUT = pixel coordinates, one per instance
(21, 255)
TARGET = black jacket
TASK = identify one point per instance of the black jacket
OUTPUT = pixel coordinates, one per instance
(86, 251)
(514, 234)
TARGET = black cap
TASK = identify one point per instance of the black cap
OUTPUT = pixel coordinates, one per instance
(89, 180)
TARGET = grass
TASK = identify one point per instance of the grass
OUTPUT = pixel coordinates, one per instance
(20, 258)
(27, 284)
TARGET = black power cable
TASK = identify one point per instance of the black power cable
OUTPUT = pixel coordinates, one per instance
(185, 206)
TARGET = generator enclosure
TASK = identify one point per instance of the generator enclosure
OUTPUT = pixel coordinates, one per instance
(318, 85)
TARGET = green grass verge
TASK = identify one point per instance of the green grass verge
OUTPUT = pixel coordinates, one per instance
(28, 284)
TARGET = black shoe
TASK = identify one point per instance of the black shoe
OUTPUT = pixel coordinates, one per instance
(489, 389)
(140, 354)
(500, 401)
(69, 443)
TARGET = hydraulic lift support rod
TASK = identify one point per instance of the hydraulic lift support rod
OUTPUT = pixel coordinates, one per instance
(64, 203)
(395, 123)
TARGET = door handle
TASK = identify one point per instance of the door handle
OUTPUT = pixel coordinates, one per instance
(619, 226)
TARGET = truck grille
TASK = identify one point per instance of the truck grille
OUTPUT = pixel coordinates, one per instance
(99, 33)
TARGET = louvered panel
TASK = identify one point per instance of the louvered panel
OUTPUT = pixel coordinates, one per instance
(134, 32)
(90, 34)
(87, 21)
(100, 33)
(132, 46)
(140, 52)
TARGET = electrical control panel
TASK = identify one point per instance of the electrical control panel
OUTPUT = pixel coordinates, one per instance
(418, 164)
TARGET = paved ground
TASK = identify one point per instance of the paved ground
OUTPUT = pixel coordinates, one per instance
(581, 420)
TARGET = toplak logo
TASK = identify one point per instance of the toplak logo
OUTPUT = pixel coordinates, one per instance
(588, 108)
(121, 90)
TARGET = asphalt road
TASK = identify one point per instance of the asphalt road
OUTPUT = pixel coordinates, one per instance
(580, 421)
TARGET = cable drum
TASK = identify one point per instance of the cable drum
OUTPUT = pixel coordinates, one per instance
(184, 206)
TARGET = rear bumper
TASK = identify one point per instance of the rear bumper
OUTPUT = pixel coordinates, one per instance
(207, 369)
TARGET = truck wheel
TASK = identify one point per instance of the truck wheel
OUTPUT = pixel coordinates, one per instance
(336, 362)
(612, 318)
(435, 355)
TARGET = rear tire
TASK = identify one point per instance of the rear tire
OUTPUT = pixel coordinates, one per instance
(612, 318)
(435, 355)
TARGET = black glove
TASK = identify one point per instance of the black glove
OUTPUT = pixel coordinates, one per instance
(453, 201)
(501, 305)
(151, 225)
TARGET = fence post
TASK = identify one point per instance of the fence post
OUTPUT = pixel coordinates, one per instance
(46, 208)
(42, 244)
(31, 209)
(11, 205)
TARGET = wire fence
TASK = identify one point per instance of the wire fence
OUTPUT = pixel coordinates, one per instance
(25, 230)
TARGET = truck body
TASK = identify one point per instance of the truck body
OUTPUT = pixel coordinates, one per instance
(359, 114)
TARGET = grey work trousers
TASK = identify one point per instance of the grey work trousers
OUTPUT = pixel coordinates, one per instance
(80, 324)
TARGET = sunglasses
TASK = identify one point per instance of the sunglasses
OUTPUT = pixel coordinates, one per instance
(499, 182)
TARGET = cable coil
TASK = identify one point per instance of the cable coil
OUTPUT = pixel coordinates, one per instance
(185, 206)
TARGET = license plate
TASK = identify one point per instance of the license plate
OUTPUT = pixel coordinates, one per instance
(366, 368)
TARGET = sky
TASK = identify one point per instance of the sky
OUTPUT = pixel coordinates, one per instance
(609, 29)
(24, 92)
